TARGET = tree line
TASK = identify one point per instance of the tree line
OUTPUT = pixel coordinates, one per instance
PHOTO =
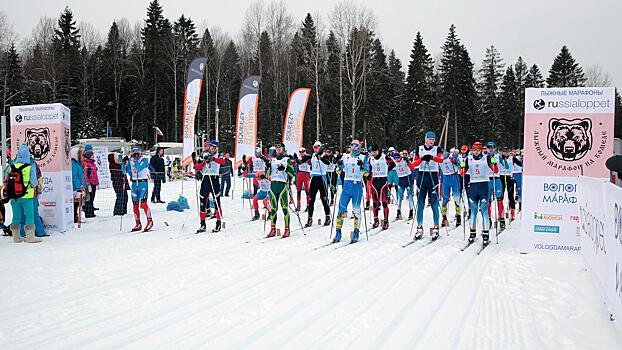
(133, 78)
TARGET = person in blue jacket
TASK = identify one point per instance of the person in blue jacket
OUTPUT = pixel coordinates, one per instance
(25, 204)
(78, 182)
(138, 168)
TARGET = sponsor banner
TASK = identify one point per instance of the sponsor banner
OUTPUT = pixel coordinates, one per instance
(600, 210)
(191, 103)
(294, 119)
(246, 120)
(568, 132)
(100, 154)
(46, 129)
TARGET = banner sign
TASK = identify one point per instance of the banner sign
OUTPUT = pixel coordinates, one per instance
(192, 95)
(600, 211)
(294, 120)
(568, 132)
(246, 120)
(100, 155)
(46, 129)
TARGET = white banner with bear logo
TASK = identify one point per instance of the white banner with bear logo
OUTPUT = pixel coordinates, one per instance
(600, 208)
(568, 132)
(46, 129)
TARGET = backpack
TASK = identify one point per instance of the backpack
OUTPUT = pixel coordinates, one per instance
(14, 185)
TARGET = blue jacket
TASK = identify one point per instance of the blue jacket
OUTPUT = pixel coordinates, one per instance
(23, 157)
(77, 175)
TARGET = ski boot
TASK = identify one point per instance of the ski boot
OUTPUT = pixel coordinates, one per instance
(366, 206)
(458, 220)
(419, 233)
(217, 227)
(286, 232)
(355, 236)
(256, 216)
(385, 224)
(501, 224)
(138, 226)
(472, 235)
(445, 222)
(410, 215)
(399, 215)
(6, 231)
(485, 238)
(512, 214)
(337, 236)
(202, 228)
(272, 232)
(376, 223)
(309, 222)
(148, 225)
(434, 232)
(327, 220)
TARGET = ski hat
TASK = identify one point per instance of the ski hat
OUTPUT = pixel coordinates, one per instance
(453, 150)
(136, 149)
(396, 155)
(317, 144)
(430, 135)
(477, 145)
(391, 149)
(355, 142)
(302, 149)
(374, 148)
(214, 143)
(491, 144)
(279, 144)
(464, 148)
(226, 155)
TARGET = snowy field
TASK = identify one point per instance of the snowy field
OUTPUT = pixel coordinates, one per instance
(102, 288)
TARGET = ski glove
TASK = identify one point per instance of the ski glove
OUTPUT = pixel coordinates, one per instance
(280, 167)
(360, 163)
(427, 158)
(493, 160)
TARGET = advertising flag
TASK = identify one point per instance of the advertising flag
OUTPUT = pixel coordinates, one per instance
(294, 119)
(246, 119)
(194, 81)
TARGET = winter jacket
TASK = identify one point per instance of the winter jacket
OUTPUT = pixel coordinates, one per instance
(77, 172)
(119, 179)
(91, 171)
(157, 162)
(23, 157)
(225, 169)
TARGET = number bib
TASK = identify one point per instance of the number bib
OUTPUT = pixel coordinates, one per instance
(351, 169)
(447, 167)
(258, 164)
(402, 168)
(379, 167)
(317, 167)
(275, 173)
(306, 167)
(431, 165)
(479, 171)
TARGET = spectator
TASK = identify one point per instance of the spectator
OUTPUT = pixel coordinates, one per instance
(92, 181)
(156, 165)
(225, 175)
(119, 184)
(168, 164)
(39, 228)
(78, 182)
(25, 204)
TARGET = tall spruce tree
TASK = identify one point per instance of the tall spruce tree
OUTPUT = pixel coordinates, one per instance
(420, 90)
(565, 71)
(377, 92)
(534, 78)
(510, 113)
(330, 92)
(490, 76)
(12, 83)
(395, 122)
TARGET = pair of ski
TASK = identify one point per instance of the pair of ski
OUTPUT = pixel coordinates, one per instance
(417, 239)
(481, 247)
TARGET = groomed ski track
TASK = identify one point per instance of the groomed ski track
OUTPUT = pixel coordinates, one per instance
(99, 288)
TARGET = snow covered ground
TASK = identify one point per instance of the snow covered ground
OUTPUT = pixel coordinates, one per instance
(102, 288)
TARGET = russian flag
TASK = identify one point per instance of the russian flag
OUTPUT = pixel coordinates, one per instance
(158, 131)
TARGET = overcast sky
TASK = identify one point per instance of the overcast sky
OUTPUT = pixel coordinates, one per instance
(534, 29)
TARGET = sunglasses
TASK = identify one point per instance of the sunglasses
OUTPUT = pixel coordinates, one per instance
(354, 145)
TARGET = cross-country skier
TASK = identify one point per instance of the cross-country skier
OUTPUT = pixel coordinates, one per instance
(450, 184)
(404, 174)
(209, 165)
(137, 167)
(281, 173)
(303, 177)
(354, 168)
(494, 185)
(517, 174)
(507, 162)
(263, 185)
(477, 169)
(392, 178)
(319, 166)
(427, 159)
(380, 165)
(257, 165)
(331, 175)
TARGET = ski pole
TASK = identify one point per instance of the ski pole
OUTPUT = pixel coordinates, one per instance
(296, 213)
(214, 196)
(364, 216)
(332, 223)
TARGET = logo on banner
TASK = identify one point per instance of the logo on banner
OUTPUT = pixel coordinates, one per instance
(539, 104)
(546, 229)
(67, 142)
(550, 217)
(255, 83)
(19, 118)
(570, 139)
(38, 141)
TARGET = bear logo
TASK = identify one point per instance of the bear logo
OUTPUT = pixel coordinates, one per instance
(539, 104)
(67, 143)
(38, 141)
(569, 139)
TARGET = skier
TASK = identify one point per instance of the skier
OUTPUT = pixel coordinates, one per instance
(261, 195)
(319, 164)
(138, 168)
(354, 169)
(331, 175)
(404, 173)
(427, 159)
(380, 165)
(392, 177)
(450, 185)
(507, 162)
(257, 165)
(517, 175)
(281, 172)
(477, 169)
(494, 185)
(302, 176)
(209, 165)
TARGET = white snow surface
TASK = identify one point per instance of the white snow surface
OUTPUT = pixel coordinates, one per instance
(99, 287)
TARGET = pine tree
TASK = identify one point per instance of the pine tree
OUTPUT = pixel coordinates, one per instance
(510, 112)
(490, 76)
(565, 71)
(534, 78)
(212, 73)
(420, 90)
(115, 66)
(395, 122)
(377, 92)
(521, 71)
(12, 82)
(268, 126)
(231, 78)
(330, 92)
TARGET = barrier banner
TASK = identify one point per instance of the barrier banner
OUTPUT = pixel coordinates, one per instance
(568, 132)
(100, 155)
(294, 120)
(46, 129)
(192, 95)
(600, 209)
(246, 120)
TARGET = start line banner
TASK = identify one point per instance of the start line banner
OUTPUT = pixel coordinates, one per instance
(568, 132)
(600, 217)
